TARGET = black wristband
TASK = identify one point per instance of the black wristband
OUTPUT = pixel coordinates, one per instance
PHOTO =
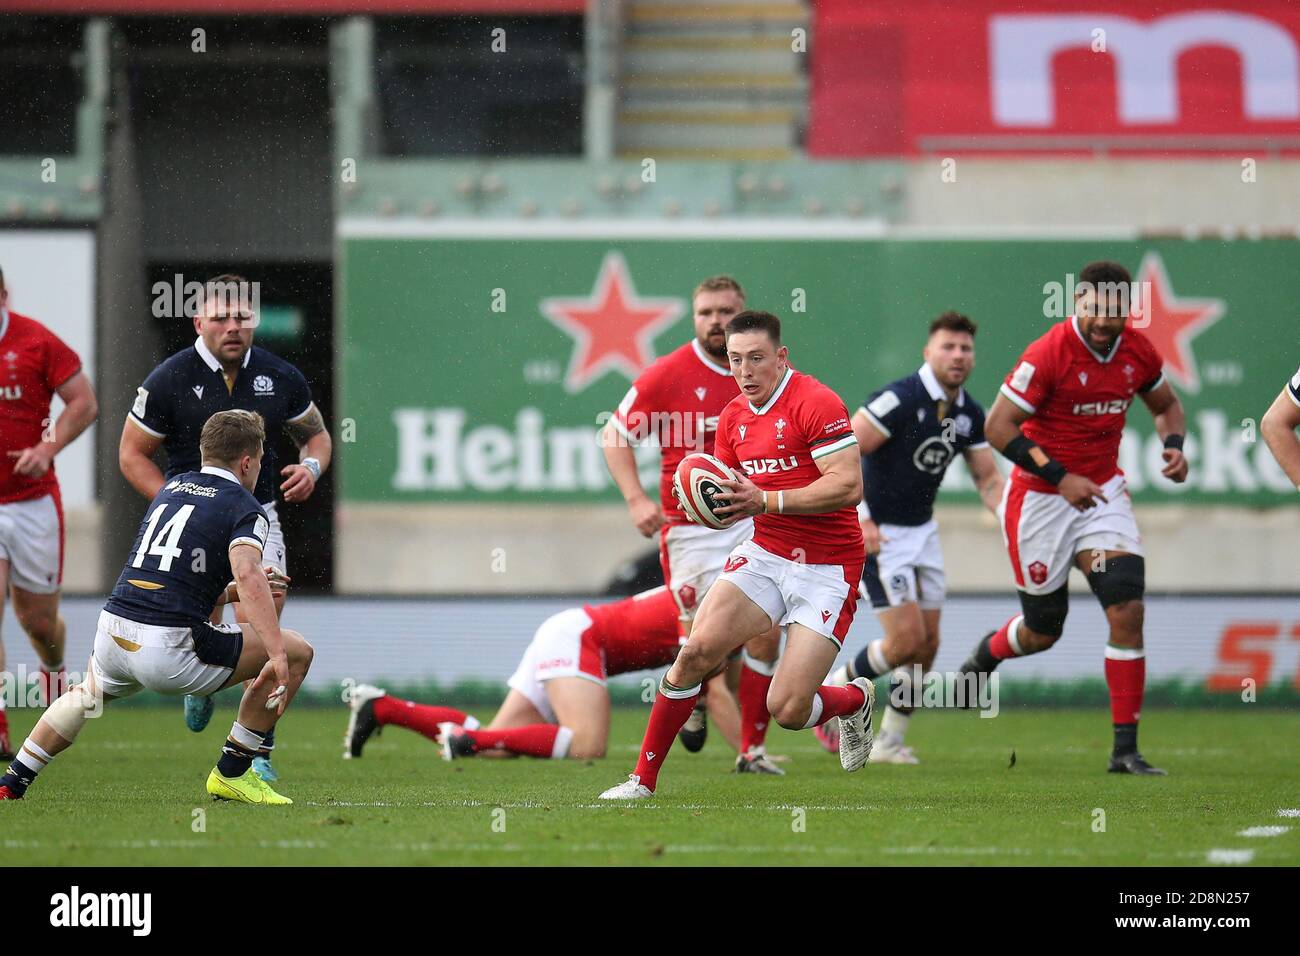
(1019, 450)
(1174, 441)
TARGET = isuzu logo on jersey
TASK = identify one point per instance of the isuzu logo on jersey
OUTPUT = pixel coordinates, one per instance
(765, 466)
(1116, 406)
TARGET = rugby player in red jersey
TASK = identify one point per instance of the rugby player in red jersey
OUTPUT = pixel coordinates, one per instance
(1059, 418)
(35, 365)
(791, 435)
(1278, 427)
(677, 401)
(558, 705)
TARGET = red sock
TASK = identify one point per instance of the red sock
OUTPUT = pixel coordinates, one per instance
(838, 701)
(422, 718)
(667, 717)
(537, 740)
(753, 708)
(1126, 680)
(52, 684)
(1000, 643)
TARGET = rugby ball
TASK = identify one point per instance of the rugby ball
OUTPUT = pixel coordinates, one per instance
(695, 483)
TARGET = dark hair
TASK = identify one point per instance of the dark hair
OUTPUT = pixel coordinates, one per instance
(1104, 271)
(953, 322)
(754, 321)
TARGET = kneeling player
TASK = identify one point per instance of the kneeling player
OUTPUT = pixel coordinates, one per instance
(558, 705)
(202, 527)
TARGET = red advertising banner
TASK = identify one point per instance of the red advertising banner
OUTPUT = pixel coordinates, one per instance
(910, 76)
(291, 7)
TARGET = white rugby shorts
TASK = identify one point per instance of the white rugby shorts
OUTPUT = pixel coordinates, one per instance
(130, 657)
(821, 597)
(1043, 532)
(908, 569)
(692, 557)
(31, 540)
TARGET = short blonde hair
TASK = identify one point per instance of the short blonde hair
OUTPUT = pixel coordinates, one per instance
(230, 435)
(719, 284)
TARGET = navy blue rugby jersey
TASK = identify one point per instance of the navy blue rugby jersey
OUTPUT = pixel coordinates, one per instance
(188, 388)
(180, 561)
(924, 432)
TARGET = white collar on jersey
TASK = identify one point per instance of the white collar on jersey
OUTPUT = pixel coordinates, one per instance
(219, 472)
(704, 357)
(935, 390)
(4, 322)
(1103, 359)
(211, 360)
(789, 372)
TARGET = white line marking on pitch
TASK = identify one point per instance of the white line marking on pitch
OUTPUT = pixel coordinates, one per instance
(1230, 856)
(1289, 813)
(612, 804)
(1263, 831)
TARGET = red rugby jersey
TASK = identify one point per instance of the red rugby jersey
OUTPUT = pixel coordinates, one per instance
(777, 447)
(34, 362)
(1078, 400)
(636, 633)
(677, 401)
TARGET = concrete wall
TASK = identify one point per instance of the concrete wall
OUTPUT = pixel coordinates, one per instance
(1061, 195)
(512, 550)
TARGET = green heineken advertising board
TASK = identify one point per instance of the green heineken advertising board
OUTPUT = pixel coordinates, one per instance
(479, 369)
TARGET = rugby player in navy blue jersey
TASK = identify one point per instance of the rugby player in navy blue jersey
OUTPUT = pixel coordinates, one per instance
(222, 370)
(202, 528)
(909, 432)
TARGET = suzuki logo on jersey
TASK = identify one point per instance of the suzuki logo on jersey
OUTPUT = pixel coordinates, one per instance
(766, 466)
(1116, 406)
(11, 392)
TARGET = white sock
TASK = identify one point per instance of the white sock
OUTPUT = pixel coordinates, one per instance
(816, 713)
(560, 749)
(32, 756)
(893, 725)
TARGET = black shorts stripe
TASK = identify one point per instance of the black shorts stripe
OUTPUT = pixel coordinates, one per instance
(871, 580)
(217, 645)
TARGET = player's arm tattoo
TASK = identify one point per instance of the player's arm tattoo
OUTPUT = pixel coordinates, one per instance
(306, 428)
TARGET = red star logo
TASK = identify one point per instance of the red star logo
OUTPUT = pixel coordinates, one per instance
(613, 328)
(1171, 323)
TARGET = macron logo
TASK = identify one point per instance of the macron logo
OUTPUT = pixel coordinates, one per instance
(76, 909)
(198, 390)
(826, 616)
(649, 755)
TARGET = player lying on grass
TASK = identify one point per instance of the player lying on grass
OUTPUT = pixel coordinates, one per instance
(202, 527)
(558, 705)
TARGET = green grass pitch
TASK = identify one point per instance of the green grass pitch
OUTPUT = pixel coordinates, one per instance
(131, 793)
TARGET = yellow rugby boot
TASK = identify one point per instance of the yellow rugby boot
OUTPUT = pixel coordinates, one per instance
(250, 788)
